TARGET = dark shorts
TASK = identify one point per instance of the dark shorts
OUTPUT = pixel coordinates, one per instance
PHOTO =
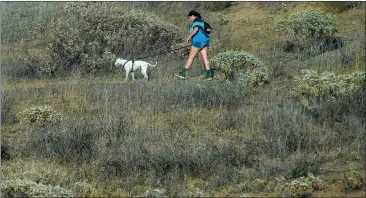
(201, 45)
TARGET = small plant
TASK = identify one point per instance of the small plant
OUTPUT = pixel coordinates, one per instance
(28, 188)
(194, 191)
(352, 181)
(155, 193)
(223, 19)
(241, 66)
(307, 25)
(40, 116)
(304, 186)
(299, 189)
(83, 189)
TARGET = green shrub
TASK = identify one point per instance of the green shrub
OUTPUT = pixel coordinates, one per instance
(313, 85)
(40, 171)
(28, 188)
(305, 186)
(38, 61)
(331, 98)
(308, 25)
(45, 172)
(241, 66)
(299, 187)
(93, 34)
(40, 116)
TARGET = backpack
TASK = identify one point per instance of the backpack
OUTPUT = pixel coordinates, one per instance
(206, 27)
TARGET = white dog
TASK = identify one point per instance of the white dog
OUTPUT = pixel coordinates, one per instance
(136, 65)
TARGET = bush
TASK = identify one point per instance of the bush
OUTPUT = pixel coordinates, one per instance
(38, 63)
(40, 116)
(40, 171)
(300, 188)
(93, 34)
(241, 66)
(45, 172)
(314, 85)
(309, 24)
(27, 188)
(330, 97)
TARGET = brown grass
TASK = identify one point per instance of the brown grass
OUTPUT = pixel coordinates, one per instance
(254, 133)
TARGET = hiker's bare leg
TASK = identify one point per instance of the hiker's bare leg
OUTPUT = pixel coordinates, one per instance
(204, 55)
(192, 53)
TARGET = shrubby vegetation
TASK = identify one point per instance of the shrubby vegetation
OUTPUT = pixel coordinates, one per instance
(241, 66)
(33, 178)
(92, 34)
(307, 25)
(28, 188)
(352, 180)
(330, 97)
(176, 138)
(305, 186)
(314, 85)
(40, 116)
(310, 30)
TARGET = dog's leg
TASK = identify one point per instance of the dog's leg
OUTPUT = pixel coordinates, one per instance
(144, 72)
(126, 79)
(133, 75)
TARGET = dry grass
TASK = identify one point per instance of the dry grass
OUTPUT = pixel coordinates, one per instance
(192, 137)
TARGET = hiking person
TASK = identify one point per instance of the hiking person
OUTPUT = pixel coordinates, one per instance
(200, 44)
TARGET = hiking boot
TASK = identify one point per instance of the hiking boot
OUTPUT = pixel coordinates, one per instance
(208, 79)
(208, 75)
(182, 74)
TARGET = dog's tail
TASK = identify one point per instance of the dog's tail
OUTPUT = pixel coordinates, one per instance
(152, 65)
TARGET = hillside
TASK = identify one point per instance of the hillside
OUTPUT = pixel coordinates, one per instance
(71, 125)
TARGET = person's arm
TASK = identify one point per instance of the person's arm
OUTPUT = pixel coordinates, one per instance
(195, 30)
